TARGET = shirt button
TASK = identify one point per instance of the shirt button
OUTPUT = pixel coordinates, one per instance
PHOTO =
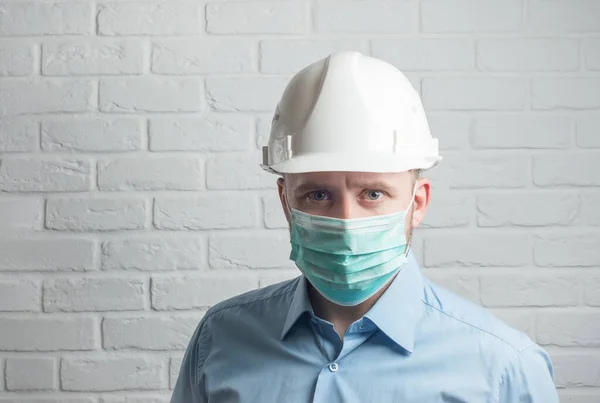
(333, 366)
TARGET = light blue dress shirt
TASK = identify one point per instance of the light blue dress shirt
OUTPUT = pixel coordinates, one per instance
(418, 344)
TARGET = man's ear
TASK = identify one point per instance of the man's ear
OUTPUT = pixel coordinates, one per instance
(422, 199)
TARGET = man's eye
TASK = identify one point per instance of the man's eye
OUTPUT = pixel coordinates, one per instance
(318, 195)
(374, 195)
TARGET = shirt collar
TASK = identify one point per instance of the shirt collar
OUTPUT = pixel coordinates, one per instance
(398, 310)
(300, 304)
(396, 313)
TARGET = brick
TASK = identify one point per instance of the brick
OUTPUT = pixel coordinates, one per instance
(569, 329)
(92, 56)
(592, 54)
(210, 211)
(94, 294)
(517, 319)
(106, 374)
(581, 250)
(591, 292)
(19, 295)
(30, 374)
(527, 209)
(52, 18)
(285, 56)
(507, 132)
(362, 17)
(451, 131)
(470, 16)
(44, 175)
(48, 334)
(565, 93)
(148, 333)
(92, 134)
(531, 54)
(153, 254)
(212, 132)
(174, 369)
(462, 285)
(481, 170)
(35, 95)
(529, 290)
(238, 172)
(177, 293)
(150, 94)
(270, 249)
(21, 213)
(273, 211)
(257, 17)
(151, 173)
(99, 214)
(590, 210)
(563, 16)
(16, 58)
(251, 94)
(448, 210)
(477, 250)
(46, 254)
(474, 93)
(588, 132)
(202, 56)
(576, 369)
(149, 18)
(575, 396)
(18, 134)
(572, 169)
(426, 54)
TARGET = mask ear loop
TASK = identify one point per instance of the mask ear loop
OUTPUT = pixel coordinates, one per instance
(414, 192)
(412, 198)
(288, 209)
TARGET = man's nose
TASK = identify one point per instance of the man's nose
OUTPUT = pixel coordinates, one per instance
(346, 208)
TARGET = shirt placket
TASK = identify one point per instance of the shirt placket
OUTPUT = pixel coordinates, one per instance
(326, 388)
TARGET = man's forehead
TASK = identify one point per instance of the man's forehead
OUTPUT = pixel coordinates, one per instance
(350, 179)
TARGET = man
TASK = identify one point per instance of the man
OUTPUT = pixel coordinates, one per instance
(350, 139)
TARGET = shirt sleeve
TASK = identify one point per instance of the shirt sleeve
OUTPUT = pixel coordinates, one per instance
(190, 385)
(529, 378)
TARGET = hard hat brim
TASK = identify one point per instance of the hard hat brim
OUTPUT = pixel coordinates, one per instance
(344, 162)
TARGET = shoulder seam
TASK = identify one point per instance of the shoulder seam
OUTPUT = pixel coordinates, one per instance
(527, 347)
(476, 327)
(511, 360)
(246, 303)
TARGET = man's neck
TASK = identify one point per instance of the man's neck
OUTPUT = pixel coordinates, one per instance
(341, 316)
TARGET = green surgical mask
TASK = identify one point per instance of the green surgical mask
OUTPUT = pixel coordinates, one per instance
(348, 260)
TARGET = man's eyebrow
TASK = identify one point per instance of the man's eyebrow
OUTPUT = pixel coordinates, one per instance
(311, 186)
(371, 185)
(375, 185)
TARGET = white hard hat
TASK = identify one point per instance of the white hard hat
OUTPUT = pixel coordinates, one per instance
(349, 112)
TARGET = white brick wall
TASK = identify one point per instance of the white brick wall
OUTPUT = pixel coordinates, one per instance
(44, 95)
(113, 373)
(30, 374)
(131, 199)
